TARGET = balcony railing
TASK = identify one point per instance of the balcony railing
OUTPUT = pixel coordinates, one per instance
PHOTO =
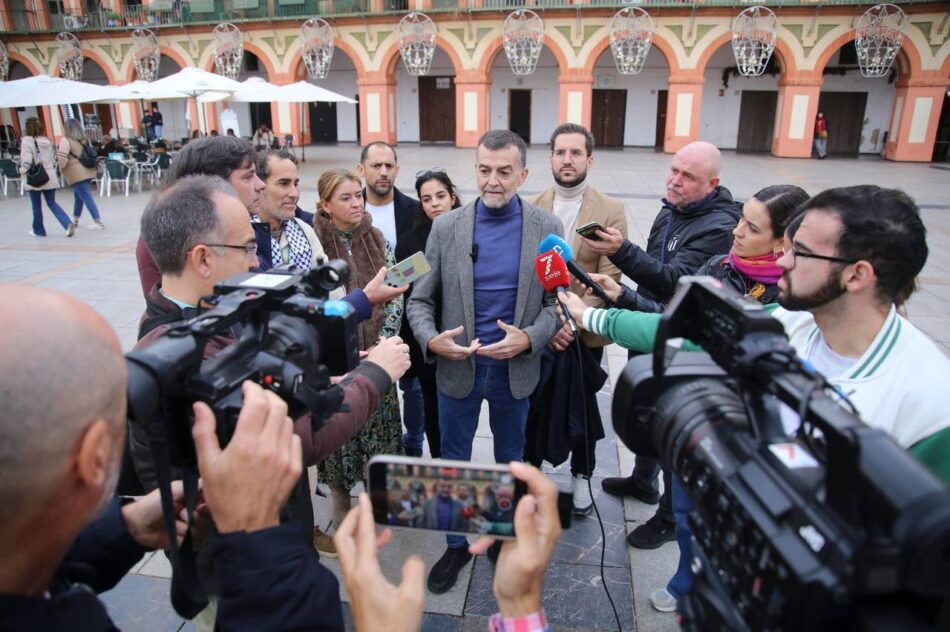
(158, 13)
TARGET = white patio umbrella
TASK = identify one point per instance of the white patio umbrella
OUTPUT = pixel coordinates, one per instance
(41, 90)
(305, 92)
(252, 90)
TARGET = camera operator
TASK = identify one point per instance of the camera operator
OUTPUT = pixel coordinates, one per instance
(519, 571)
(845, 272)
(63, 535)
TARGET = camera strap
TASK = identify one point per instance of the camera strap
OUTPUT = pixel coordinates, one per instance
(187, 593)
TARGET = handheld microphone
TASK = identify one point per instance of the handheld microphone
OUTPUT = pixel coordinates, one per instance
(552, 272)
(554, 243)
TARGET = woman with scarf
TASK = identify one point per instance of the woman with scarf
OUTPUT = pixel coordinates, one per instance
(437, 196)
(346, 232)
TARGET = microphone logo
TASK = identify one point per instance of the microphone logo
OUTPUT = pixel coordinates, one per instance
(547, 259)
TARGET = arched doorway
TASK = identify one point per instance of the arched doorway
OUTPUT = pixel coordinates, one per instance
(738, 112)
(857, 109)
(244, 118)
(14, 119)
(175, 114)
(334, 122)
(427, 103)
(526, 104)
(630, 109)
(97, 118)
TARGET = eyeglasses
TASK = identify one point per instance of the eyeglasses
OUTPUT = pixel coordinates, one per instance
(250, 249)
(794, 252)
(429, 172)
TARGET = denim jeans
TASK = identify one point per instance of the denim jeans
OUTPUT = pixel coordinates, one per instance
(158, 131)
(682, 580)
(58, 212)
(413, 413)
(82, 194)
(458, 420)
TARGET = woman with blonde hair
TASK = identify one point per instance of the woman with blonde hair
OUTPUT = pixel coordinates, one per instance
(346, 232)
(71, 147)
(37, 149)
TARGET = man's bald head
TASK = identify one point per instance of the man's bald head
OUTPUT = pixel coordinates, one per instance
(694, 173)
(63, 369)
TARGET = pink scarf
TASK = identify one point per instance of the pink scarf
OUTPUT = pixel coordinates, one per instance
(763, 269)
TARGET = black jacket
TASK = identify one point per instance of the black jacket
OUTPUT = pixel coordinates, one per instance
(270, 580)
(720, 268)
(405, 209)
(680, 241)
(409, 243)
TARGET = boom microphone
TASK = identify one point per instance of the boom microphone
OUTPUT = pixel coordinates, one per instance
(552, 272)
(554, 243)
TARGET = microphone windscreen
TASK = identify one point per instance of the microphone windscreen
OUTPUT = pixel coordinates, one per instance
(551, 271)
(558, 245)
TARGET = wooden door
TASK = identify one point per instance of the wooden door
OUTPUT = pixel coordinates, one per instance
(756, 120)
(661, 103)
(260, 113)
(608, 114)
(437, 109)
(519, 113)
(844, 113)
(323, 122)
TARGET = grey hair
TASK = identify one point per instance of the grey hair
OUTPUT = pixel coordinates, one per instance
(75, 131)
(263, 169)
(496, 139)
(180, 217)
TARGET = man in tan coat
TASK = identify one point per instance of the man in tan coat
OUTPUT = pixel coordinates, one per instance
(576, 203)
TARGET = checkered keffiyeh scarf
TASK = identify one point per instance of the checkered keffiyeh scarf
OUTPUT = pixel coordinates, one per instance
(301, 253)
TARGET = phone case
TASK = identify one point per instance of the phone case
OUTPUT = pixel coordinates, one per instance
(408, 270)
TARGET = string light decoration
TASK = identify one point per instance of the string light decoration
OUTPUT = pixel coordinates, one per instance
(227, 47)
(316, 40)
(879, 35)
(631, 35)
(69, 56)
(523, 38)
(754, 33)
(416, 38)
(4, 62)
(145, 54)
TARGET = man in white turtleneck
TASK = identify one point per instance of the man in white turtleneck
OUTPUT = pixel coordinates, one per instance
(576, 203)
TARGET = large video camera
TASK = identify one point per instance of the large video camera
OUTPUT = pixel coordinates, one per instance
(290, 339)
(834, 528)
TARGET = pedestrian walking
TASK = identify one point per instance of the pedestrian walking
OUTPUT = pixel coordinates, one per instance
(73, 151)
(821, 136)
(38, 163)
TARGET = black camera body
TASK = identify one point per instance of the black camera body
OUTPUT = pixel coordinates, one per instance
(838, 529)
(280, 331)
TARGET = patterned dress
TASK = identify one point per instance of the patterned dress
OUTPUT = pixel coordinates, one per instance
(382, 433)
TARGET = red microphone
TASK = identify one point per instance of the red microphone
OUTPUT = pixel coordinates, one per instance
(552, 272)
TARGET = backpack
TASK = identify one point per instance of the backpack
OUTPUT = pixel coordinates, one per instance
(88, 156)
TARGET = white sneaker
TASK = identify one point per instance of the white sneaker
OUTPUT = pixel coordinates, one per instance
(96, 226)
(583, 504)
(663, 601)
(32, 234)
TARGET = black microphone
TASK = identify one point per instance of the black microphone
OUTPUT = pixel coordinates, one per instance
(561, 247)
(474, 253)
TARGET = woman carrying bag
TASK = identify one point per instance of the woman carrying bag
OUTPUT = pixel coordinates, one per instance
(38, 168)
(71, 154)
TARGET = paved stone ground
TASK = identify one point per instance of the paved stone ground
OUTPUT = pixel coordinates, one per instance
(99, 267)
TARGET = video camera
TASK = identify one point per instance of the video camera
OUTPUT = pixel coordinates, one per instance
(835, 528)
(290, 339)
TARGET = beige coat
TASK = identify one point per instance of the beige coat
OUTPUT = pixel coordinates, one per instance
(46, 156)
(595, 207)
(69, 151)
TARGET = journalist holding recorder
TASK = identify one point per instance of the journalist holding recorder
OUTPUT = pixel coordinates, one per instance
(64, 537)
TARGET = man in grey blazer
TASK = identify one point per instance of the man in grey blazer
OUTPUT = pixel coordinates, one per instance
(479, 315)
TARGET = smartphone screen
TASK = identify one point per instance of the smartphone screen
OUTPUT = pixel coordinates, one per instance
(446, 496)
(590, 230)
(408, 270)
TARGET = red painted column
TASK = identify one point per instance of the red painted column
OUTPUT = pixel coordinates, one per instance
(797, 107)
(914, 118)
(576, 98)
(377, 109)
(472, 108)
(684, 103)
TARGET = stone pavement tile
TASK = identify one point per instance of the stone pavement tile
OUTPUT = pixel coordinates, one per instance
(573, 595)
(142, 562)
(440, 623)
(652, 570)
(157, 566)
(142, 604)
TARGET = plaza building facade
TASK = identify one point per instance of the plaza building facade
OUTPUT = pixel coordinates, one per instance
(689, 87)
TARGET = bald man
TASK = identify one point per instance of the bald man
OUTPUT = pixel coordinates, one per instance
(694, 224)
(62, 533)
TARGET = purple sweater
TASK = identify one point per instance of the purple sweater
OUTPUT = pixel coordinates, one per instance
(495, 272)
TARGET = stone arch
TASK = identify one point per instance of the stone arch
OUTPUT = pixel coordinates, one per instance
(257, 51)
(497, 45)
(163, 50)
(391, 57)
(908, 50)
(26, 62)
(98, 60)
(297, 58)
(659, 41)
(783, 54)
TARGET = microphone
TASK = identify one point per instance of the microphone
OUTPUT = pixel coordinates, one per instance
(554, 243)
(552, 272)
(474, 253)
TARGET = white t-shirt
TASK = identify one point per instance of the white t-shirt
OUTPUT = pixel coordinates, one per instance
(384, 218)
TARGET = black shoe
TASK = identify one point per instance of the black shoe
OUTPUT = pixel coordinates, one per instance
(443, 575)
(652, 534)
(629, 486)
(493, 552)
(413, 451)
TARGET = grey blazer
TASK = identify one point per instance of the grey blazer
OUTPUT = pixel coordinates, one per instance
(444, 299)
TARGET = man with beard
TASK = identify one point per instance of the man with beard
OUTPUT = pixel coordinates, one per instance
(576, 203)
(393, 212)
(695, 223)
(65, 537)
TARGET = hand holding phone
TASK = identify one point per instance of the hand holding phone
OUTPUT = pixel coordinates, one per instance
(408, 270)
(589, 230)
